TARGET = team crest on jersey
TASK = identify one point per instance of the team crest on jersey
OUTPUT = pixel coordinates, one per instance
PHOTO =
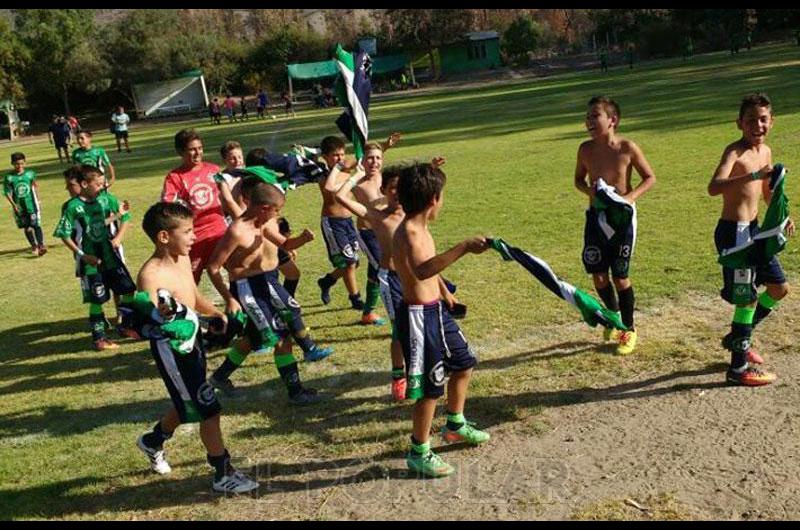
(591, 255)
(436, 374)
(99, 290)
(97, 231)
(23, 189)
(205, 394)
(201, 195)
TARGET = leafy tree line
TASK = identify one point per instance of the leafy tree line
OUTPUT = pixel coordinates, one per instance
(70, 59)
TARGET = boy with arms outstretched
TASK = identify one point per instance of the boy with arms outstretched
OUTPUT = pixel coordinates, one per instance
(249, 252)
(22, 191)
(169, 271)
(92, 226)
(742, 176)
(433, 345)
(612, 158)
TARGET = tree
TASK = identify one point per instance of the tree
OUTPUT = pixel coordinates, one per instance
(63, 54)
(522, 36)
(13, 58)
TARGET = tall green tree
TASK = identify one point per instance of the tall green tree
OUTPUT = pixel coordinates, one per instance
(13, 58)
(522, 36)
(64, 54)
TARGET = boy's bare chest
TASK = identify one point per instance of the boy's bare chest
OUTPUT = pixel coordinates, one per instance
(609, 163)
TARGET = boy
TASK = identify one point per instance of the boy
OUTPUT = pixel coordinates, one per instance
(243, 109)
(22, 192)
(169, 226)
(230, 105)
(368, 192)
(58, 133)
(384, 223)
(743, 175)
(228, 184)
(288, 104)
(94, 156)
(85, 230)
(193, 183)
(261, 102)
(249, 252)
(338, 231)
(611, 158)
(341, 238)
(121, 120)
(432, 343)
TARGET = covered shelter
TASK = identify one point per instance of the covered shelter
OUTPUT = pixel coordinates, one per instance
(183, 94)
(478, 50)
(327, 69)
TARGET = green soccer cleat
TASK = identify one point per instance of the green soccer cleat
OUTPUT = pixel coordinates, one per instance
(429, 464)
(467, 433)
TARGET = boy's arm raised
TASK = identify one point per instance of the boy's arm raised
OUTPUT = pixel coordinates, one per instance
(723, 179)
(224, 249)
(273, 233)
(645, 171)
(342, 196)
(437, 264)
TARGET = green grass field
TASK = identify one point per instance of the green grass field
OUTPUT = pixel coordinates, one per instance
(69, 416)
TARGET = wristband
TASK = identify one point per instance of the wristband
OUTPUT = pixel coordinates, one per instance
(353, 181)
(339, 166)
(80, 253)
(755, 176)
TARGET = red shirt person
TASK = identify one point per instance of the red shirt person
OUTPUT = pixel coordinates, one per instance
(193, 184)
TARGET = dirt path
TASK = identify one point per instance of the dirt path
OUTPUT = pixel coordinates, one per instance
(669, 442)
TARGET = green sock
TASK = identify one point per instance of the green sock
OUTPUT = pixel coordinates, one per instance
(398, 373)
(455, 420)
(373, 295)
(420, 448)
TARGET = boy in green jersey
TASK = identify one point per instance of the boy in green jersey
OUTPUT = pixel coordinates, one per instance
(92, 227)
(22, 192)
(94, 156)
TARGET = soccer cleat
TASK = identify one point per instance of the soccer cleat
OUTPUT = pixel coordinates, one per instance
(35, 250)
(429, 464)
(226, 387)
(627, 342)
(158, 463)
(372, 319)
(325, 291)
(399, 389)
(130, 333)
(611, 334)
(752, 355)
(306, 396)
(42, 250)
(104, 344)
(235, 482)
(467, 433)
(751, 376)
(317, 354)
(357, 303)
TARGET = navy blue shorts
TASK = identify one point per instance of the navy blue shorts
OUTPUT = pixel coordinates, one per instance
(341, 240)
(185, 378)
(263, 298)
(369, 244)
(96, 287)
(601, 253)
(433, 347)
(732, 233)
(391, 292)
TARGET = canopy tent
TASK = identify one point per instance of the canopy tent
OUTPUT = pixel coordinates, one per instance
(185, 93)
(325, 69)
(10, 125)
